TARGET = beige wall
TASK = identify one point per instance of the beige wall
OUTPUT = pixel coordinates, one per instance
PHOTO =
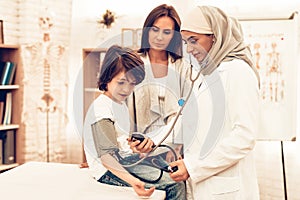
(268, 153)
(21, 26)
(76, 27)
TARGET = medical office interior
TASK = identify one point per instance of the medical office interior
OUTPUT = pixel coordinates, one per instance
(51, 42)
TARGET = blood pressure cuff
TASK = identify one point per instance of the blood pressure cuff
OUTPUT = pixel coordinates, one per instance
(105, 137)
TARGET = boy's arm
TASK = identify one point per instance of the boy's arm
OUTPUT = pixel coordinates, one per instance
(117, 169)
(106, 144)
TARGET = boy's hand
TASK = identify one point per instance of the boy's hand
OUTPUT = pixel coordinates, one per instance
(139, 188)
(141, 147)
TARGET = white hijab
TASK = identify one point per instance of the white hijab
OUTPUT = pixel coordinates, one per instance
(229, 41)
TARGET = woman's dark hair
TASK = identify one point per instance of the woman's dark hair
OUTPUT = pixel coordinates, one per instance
(175, 46)
(118, 59)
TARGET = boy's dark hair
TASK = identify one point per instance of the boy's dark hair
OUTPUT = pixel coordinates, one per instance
(118, 59)
(175, 46)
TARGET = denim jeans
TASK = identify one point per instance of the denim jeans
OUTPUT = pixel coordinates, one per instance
(174, 190)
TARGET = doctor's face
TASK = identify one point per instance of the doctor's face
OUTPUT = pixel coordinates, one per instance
(197, 44)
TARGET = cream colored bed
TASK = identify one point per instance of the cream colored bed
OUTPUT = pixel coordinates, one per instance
(57, 181)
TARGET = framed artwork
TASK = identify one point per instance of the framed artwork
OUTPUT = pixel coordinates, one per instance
(139, 33)
(274, 47)
(131, 37)
(1, 32)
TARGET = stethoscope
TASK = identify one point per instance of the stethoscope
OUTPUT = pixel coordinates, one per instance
(181, 102)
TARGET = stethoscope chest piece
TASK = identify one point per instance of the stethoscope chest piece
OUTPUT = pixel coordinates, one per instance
(181, 102)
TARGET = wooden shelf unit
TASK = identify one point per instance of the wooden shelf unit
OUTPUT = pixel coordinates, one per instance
(12, 53)
(5, 167)
(92, 60)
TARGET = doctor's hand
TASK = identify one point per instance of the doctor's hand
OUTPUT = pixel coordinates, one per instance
(170, 157)
(138, 146)
(181, 174)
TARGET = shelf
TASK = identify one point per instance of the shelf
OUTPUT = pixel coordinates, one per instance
(4, 167)
(8, 127)
(92, 90)
(9, 46)
(12, 53)
(9, 87)
(87, 50)
(92, 60)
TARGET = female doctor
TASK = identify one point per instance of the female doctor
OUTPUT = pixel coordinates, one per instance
(218, 155)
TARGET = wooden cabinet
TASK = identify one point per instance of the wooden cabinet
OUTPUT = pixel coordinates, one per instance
(10, 137)
(92, 60)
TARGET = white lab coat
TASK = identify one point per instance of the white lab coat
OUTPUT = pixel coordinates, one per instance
(219, 152)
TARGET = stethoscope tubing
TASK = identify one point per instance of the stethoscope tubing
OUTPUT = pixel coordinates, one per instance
(193, 80)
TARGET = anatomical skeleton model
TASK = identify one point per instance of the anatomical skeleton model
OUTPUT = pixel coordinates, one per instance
(45, 96)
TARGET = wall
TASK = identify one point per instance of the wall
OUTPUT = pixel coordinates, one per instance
(11, 20)
(268, 153)
(87, 33)
(21, 27)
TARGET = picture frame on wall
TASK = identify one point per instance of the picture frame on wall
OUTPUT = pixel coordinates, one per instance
(131, 37)
(1, 32)
(269, 40)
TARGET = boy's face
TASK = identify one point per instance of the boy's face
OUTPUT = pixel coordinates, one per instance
(120, 87)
